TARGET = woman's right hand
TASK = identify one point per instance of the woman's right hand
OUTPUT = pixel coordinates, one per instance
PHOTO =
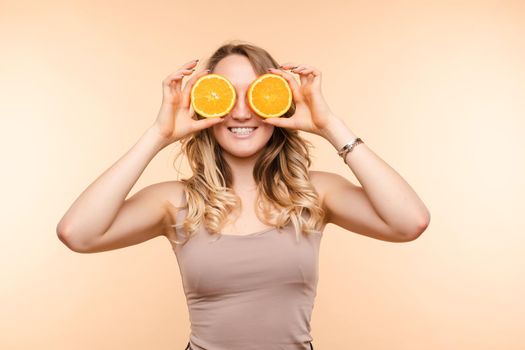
(174, 120)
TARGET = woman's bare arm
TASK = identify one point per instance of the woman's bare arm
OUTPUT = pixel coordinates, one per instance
(101, 218)
(385, 206)
(93, 212)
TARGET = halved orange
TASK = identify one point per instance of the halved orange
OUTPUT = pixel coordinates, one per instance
(212, 96)
(270, 96)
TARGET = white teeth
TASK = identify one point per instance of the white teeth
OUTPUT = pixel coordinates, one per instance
(242, 130)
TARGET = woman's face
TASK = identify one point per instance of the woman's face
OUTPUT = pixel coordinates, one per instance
(238, 70)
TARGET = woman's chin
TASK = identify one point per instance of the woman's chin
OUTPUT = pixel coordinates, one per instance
(242, 153)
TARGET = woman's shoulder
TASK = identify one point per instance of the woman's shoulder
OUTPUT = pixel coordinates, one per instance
(319, 180)
(171, 193)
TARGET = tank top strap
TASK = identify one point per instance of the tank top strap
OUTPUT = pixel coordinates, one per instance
(181, 210)
(179, 218)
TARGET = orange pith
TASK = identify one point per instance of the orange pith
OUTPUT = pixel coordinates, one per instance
(212, 96)
(270, 96)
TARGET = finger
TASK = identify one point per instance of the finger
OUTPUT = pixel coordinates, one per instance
(303, 75)
(308, 70)
(206, 123)
(186, 68)
(291, 82)
(173, 76)
(173, 80)
(279, 122)
(288, 65)
(190, 64)
(177, 76)
(303, 79)
(187, 71)
(309, 74)
(189, 84)
(298, 70)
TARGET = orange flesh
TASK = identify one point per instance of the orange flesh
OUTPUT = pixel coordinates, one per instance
(213, 96)
(270, 96)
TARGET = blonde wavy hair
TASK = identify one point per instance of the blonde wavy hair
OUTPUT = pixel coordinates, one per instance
(284, 190)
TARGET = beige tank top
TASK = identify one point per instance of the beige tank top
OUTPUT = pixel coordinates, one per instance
(253, 291)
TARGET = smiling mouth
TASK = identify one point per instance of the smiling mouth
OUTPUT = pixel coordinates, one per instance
(242, 131)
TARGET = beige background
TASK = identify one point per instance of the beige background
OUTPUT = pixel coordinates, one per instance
(436, 88)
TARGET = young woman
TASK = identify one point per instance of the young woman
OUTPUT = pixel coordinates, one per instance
(246, 227)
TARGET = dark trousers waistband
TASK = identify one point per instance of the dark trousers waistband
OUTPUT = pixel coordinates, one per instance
(188, 347)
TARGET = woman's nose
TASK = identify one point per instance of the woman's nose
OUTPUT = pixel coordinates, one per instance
(241, 110)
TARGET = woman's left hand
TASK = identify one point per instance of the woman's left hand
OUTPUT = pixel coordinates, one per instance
(312, 113)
